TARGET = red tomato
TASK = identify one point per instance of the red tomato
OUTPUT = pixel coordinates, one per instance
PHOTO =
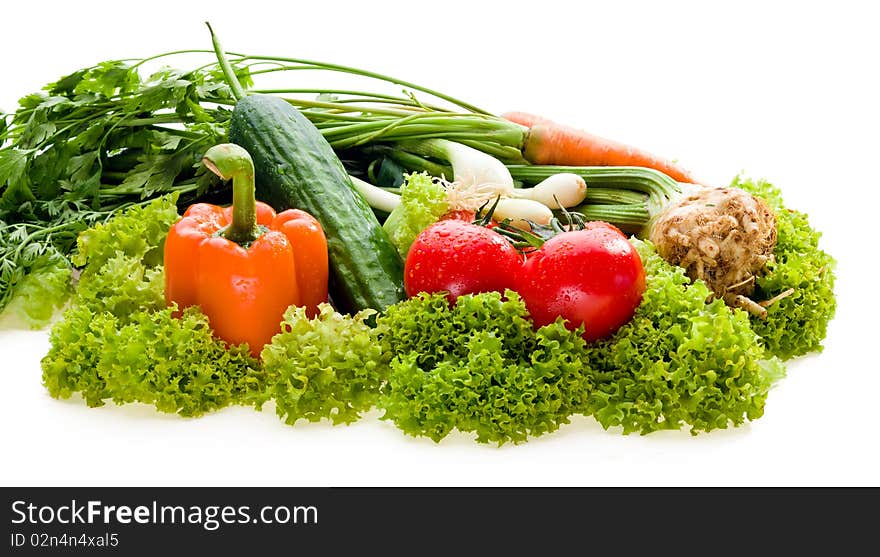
(592, 277)
(460, 258)
(467, 216)
(460, 214)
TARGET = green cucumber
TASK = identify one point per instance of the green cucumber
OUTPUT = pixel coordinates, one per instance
(297, 168)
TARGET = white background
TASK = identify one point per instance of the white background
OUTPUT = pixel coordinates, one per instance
(784, 91)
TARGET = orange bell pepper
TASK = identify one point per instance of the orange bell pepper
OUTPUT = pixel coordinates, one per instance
(244, 265)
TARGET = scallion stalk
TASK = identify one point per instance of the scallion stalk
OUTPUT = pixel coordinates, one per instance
(376, 197)
(470, 167)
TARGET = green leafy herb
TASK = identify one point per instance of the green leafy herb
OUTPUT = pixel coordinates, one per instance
(94, 142)
(796, 324)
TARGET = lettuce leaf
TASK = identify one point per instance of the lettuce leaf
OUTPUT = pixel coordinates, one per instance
(137, 232)
(43, 291)
(680, 362)
(172, 363)
(122, 261)
(479, 366)
(329, 367)
(797, 324)
(118, 341)
(422, 203)
(134, 238)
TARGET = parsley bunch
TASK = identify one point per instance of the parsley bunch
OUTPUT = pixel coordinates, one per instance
(98, 140)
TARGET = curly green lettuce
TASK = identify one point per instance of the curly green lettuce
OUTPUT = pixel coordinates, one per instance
(680, 362)
(76, 342)
(133, 239)
(122, 260)
(117, 340)
(479, 366)
(328, 367)
(422, 203)
(122, 287)
(172, 363)
(43, 291)
(137, 232)
(798, 323)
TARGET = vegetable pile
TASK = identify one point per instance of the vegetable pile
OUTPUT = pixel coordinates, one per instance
(454, 269)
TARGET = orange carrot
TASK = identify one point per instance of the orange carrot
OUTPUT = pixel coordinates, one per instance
(526, 119)
(557, 144)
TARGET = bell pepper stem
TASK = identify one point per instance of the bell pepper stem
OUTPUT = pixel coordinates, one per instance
(229, 161)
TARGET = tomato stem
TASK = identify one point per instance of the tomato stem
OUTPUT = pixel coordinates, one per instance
(524, 239)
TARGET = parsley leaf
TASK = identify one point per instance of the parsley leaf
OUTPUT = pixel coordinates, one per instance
(96, 141)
